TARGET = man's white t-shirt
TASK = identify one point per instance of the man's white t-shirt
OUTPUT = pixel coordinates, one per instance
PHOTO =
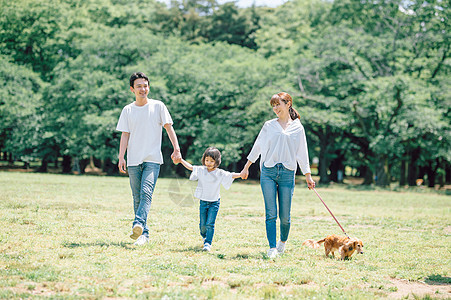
(144, 123)
(209, 183)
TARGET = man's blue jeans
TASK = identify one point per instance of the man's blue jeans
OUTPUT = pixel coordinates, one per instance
(277, 185)
(143, 179)
(208, 212)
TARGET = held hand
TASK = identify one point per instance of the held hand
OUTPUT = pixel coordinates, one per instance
(176, 157)
(122, 165)
(310, 183)
(244, 174)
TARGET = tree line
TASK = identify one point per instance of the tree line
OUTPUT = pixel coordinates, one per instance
(369, 78)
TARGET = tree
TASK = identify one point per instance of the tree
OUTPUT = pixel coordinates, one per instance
(20, 101)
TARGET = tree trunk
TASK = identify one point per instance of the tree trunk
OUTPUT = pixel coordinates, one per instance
(44, 166)
(382, 174)
(109, 167)
(412, 174)
(403, 173)
(367, 175)
(67, 164)
(323, 163)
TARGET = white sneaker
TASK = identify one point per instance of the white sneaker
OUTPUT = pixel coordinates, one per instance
(136, 231)
(207, 247)
(280, 247)
(272, 253)
(141, 240)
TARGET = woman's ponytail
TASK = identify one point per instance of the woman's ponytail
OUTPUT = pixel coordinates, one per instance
(294, 113)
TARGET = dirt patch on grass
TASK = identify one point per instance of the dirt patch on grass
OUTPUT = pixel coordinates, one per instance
(411, 289)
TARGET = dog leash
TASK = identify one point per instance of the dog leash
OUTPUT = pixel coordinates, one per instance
(331, 213)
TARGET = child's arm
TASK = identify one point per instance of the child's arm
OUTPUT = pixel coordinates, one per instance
(236, 175)
(187, 164)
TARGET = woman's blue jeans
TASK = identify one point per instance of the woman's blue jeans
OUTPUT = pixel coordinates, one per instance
(208, 212)
(277, 185)
(143, 179)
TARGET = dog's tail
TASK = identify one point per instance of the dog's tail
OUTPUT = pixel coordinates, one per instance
(313, 244)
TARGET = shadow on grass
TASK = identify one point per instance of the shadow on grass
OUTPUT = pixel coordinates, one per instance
(73, 245)
(438, 280)
(189, 249)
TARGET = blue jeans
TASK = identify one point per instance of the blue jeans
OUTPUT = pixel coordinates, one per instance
(208, 212)
(277, 185)
(143, 179)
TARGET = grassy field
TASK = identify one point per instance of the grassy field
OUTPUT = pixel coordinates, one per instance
(67, 237)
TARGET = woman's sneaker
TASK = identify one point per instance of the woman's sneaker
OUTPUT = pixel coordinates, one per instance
(136, 231)
(280, 247)
(207, 247)
(273, 253)
(141, 240)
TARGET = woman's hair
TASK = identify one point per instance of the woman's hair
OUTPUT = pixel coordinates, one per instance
(286, 98)
(137, 75)
(213, 153)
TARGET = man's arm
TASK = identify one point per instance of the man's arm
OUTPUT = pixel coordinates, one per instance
(176, 155)
(122, 148)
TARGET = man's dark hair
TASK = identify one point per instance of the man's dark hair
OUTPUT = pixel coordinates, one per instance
(136, 76)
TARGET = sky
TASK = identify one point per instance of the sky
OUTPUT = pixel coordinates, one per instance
(247, 3)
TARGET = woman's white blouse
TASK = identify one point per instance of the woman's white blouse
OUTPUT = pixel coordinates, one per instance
(276, 145)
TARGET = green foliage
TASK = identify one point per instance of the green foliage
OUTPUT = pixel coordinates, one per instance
(20, 102)
(370, 79)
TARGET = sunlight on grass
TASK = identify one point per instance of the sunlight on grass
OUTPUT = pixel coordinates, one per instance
(67, 236)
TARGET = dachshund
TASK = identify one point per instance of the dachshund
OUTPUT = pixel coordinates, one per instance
(345, 245)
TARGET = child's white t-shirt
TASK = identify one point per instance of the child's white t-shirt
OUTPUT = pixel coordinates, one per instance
(144, 123)
(209, 183)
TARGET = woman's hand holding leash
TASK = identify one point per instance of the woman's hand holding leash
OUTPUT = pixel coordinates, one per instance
(310, 182)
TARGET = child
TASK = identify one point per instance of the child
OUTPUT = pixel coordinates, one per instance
(209, 179)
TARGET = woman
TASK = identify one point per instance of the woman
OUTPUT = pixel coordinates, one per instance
(282, 145)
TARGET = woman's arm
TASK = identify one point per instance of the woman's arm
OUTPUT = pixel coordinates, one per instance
(245, 172)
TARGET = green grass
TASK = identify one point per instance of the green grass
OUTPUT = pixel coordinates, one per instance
(67, 237)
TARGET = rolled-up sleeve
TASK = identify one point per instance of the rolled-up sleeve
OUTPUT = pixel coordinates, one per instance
(258, 144)
(302, 154)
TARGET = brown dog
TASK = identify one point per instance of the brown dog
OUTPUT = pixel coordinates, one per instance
(346, 246)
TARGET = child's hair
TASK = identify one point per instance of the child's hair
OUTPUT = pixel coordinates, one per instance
(213, 153)
(286, 98)
(137, 75)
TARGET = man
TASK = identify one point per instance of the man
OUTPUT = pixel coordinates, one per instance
(141, 124)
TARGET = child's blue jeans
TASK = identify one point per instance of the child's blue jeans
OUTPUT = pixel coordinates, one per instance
(208, 211)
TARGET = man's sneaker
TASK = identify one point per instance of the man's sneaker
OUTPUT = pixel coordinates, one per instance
(280, 247)
(273, 253)
(207, 247)
(136, 231)
(141, 240)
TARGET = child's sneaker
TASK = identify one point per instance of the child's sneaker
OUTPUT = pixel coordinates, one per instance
(273, 253)
(207, 247)
(141, 240)
(136, 231)
(280, 247)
